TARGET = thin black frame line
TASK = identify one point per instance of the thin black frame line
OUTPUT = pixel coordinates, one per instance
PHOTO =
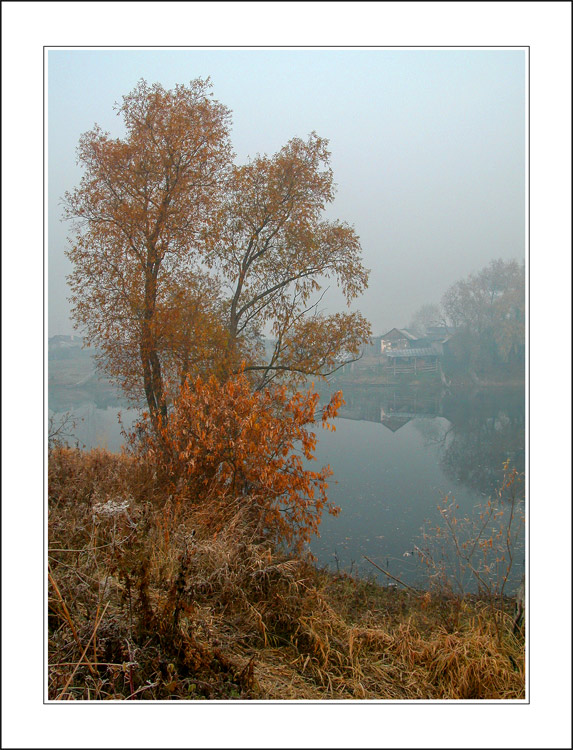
(528, 390)
(45, 301)
(231, 48)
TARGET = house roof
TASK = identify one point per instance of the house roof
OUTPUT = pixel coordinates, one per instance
(425, 352)
(395, 422)
(409, 334)
(406, 334)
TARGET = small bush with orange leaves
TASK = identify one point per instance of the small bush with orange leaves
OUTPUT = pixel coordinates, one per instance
(224, 446)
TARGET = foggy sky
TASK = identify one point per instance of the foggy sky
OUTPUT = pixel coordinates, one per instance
(428, 150)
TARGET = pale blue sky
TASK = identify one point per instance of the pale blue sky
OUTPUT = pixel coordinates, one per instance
(428, 149)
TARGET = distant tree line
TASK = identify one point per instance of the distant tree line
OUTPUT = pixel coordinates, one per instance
(485, 313)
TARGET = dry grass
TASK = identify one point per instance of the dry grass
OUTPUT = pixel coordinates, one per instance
(146, 602)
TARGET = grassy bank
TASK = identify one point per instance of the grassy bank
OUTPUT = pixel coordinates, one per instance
(146, 602)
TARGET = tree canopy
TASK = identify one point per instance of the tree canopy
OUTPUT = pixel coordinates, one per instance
(272, 251)
(487, 310)
(144, 202)
(426, 317)
(184, 260)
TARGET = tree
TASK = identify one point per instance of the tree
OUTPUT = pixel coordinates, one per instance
(488, 312)
(183, 261)
(274, 253)
(426, 317)
(142, 207)
(225, 448)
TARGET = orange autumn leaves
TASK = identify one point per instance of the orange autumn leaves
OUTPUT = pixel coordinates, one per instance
(224, 447)
(184, 261)
(139, 292)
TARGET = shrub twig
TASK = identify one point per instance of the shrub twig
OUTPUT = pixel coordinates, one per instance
(394, 578)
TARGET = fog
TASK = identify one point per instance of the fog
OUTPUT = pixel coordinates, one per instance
(428, 150)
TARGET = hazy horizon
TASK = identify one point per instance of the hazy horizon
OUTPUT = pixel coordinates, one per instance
(427, 148)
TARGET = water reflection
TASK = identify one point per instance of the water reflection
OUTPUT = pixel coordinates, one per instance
(397, 452)
(95, 411)
(484, 428)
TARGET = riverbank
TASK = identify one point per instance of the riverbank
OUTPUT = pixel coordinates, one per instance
(429, 381)
(147, 602)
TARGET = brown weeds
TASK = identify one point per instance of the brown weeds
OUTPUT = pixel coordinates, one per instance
(147, 602)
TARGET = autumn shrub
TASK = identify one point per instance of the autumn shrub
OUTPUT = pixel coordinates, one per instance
(477, 551)
(224, 446)
(480, 552)
(145, 603)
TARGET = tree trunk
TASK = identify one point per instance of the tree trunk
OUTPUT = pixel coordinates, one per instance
(152, 377)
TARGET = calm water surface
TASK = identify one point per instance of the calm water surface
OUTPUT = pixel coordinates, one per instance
(397, 453)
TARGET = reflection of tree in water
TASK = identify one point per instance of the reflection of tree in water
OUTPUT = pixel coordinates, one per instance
(487, 429)
(434, 430)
